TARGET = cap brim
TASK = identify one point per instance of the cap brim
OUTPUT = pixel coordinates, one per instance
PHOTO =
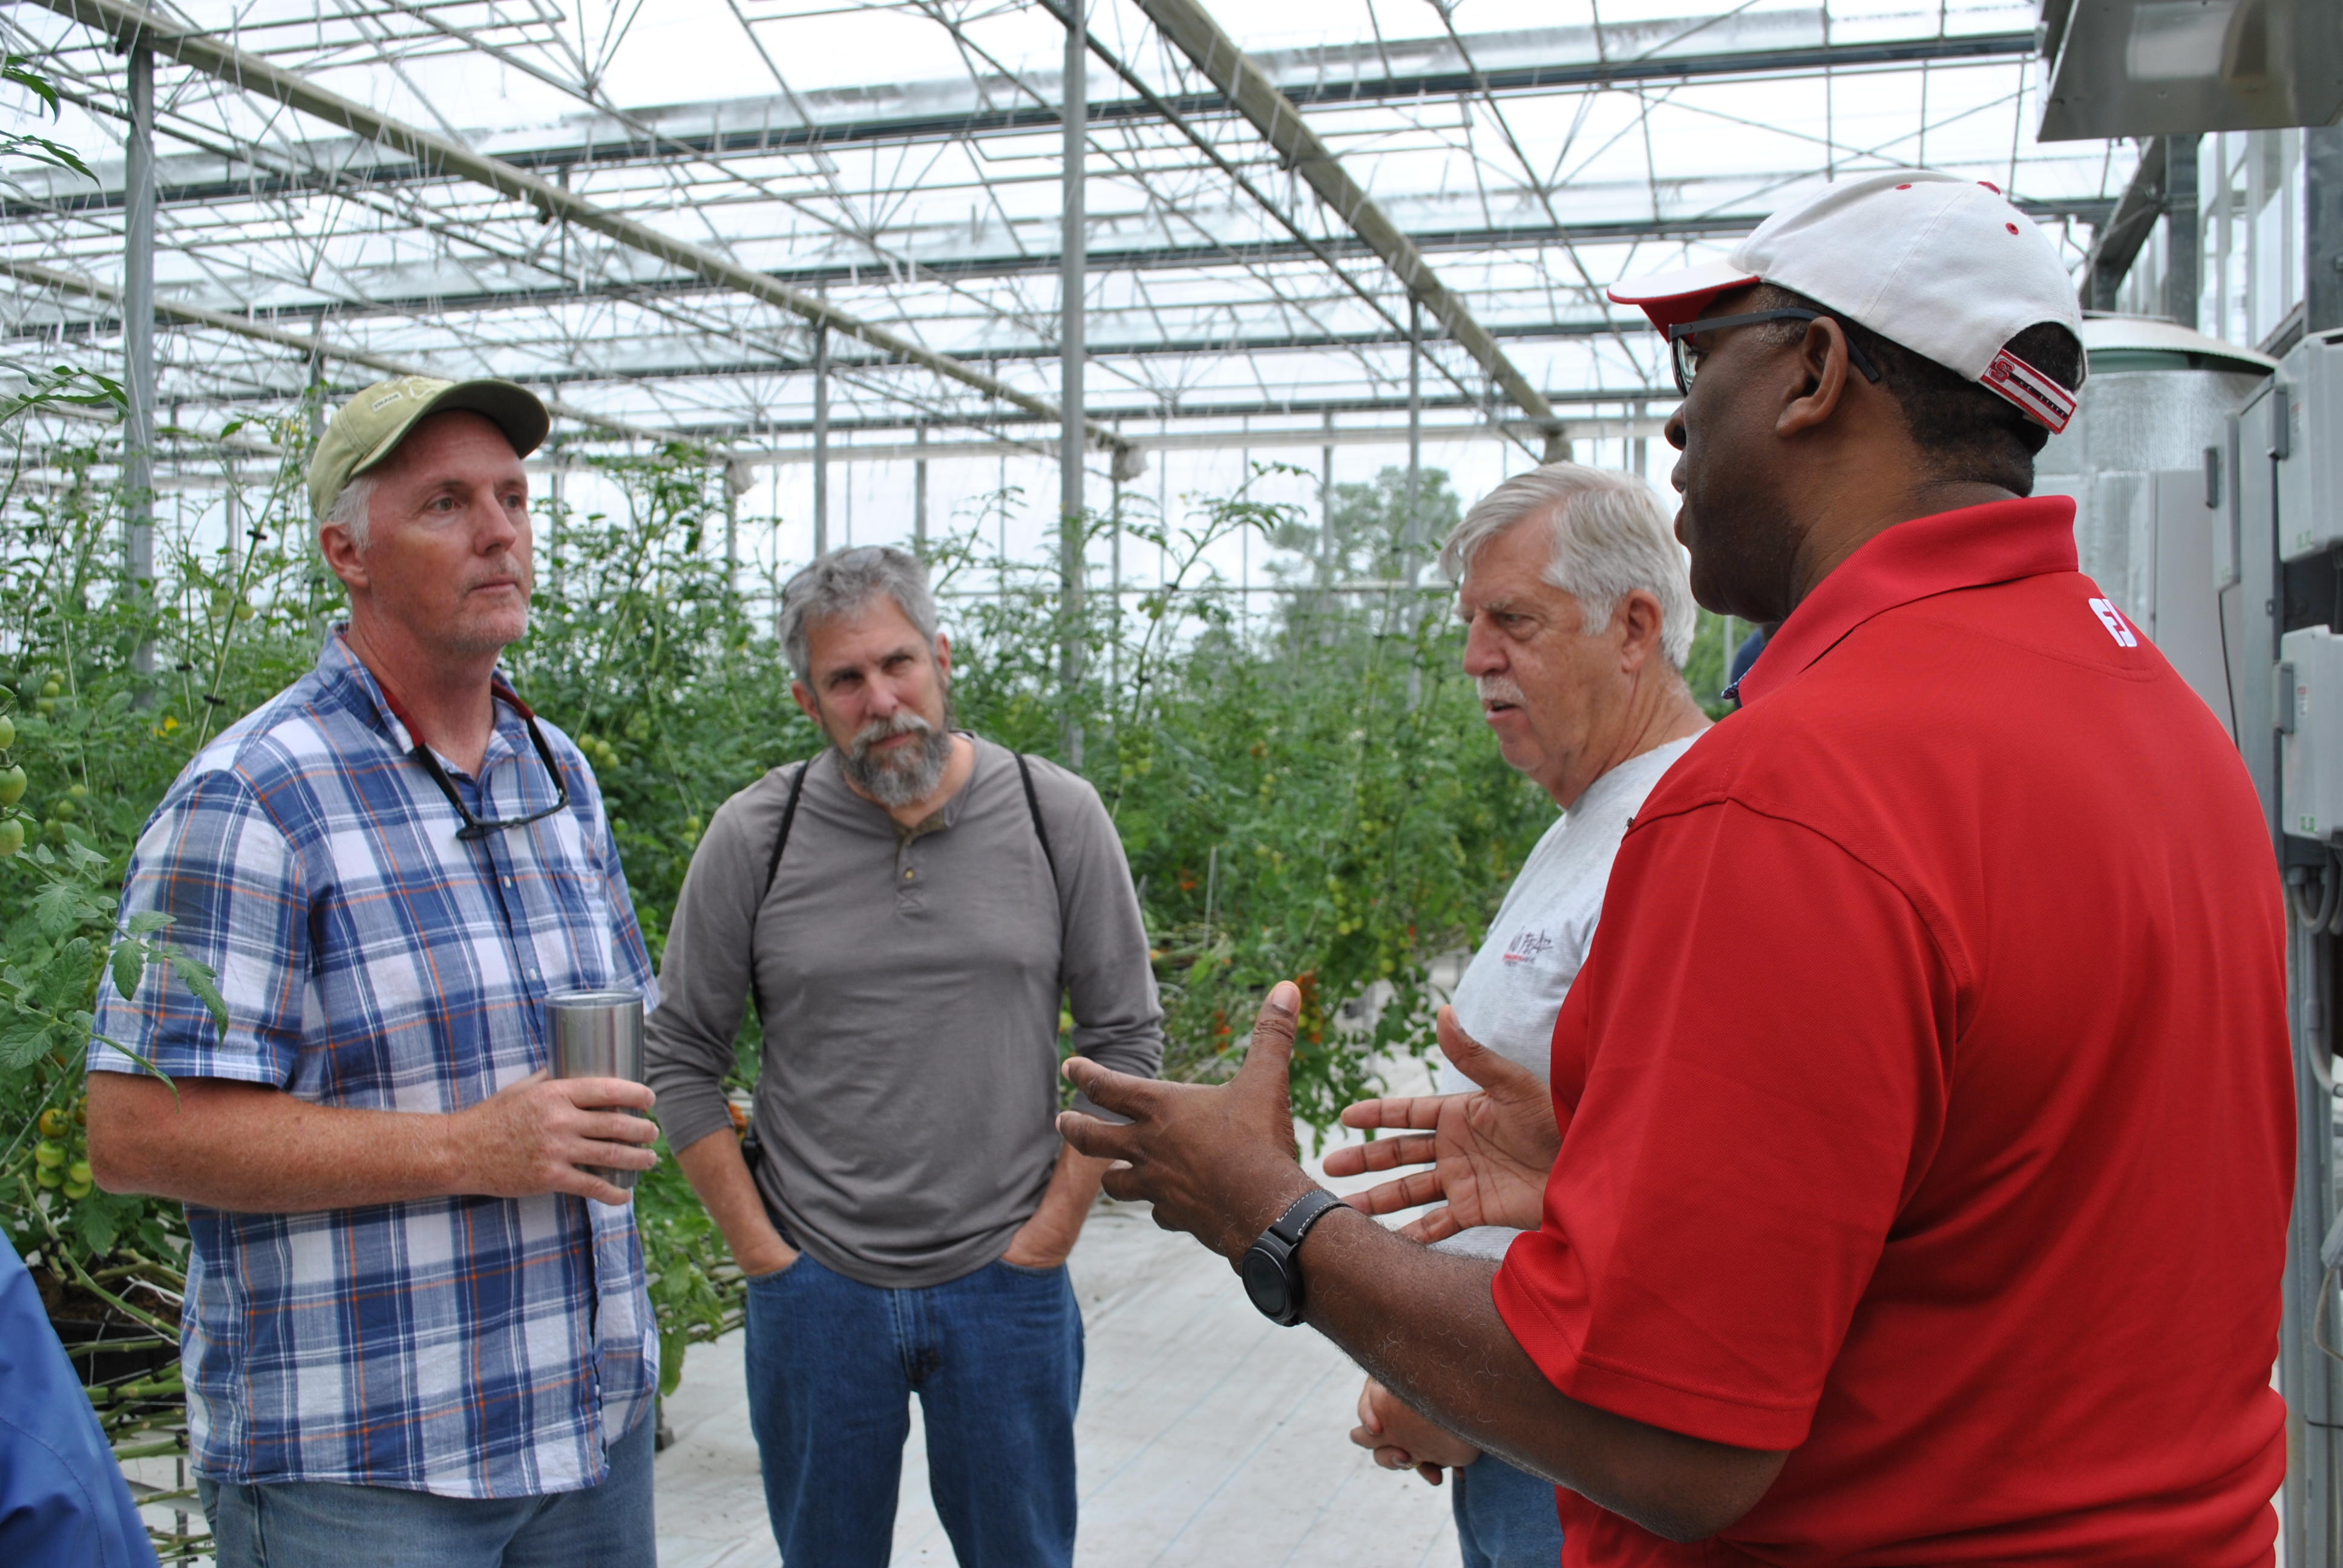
(1668, 298)
(511, 408)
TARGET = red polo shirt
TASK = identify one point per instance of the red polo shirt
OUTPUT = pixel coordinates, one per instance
(1926, 1103)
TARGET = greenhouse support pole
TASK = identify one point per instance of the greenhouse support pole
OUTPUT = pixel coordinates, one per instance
(821, 438)
(2183, 231)
(1114, 575)
(2322, 228)
(138, 350)
(1409, 534)
(1074, 112)
(920, 494)
(1326, 503)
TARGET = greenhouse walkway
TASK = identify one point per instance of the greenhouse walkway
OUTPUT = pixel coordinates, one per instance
(1206, 1435)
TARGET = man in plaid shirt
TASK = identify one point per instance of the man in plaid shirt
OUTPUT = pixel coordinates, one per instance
(414, 1326)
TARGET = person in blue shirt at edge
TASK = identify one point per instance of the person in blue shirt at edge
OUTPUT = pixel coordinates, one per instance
(415, 1328)
(1578, 612)
(63, 1501)
(1746, 654)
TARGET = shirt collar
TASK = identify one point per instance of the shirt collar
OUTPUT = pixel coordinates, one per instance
(1995, 543)
(337, 662)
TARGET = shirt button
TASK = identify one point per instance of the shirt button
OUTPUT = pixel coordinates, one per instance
(907, 876)
(507, 881)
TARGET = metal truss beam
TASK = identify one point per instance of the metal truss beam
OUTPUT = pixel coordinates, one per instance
(307, 346)
(743, 436)
(1137, 349)
(613, 144)
(2119, 240)
(441, 154)
(1145, 347)
(1264, 438)
(1192, 28)
(2092, 211)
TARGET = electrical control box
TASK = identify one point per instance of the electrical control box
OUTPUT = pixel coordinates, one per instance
(2305, 426)
(2309, 713)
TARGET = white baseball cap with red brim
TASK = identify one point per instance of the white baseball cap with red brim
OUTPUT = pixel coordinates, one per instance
(1948, 268)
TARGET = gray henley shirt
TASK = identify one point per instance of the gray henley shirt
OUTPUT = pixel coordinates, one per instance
(914, 978)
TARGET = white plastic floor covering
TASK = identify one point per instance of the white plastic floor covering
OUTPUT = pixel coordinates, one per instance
(1208, 1435)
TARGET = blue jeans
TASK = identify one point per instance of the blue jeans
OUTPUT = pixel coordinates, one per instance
(326, 1525)
(996, 1359)
(1504, 1517)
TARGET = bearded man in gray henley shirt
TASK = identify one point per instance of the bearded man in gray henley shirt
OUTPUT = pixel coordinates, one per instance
(907, 1225)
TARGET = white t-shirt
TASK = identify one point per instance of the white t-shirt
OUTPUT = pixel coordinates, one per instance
(1512, 988)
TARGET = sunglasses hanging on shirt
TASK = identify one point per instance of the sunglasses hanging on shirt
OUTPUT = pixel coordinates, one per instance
(476, 828)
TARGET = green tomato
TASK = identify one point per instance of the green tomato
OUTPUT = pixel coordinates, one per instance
(48, 1178)
(12, 784)
(7, 732)
(79, 791)
(54, 1122)
(48, 1156)
(244, 612)
(11, 835)
(51, 688)
(46, 705)
(65, 810)
(78, 1173)
(76, 1191)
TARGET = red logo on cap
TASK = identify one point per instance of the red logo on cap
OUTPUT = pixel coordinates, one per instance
(1903, 187)
(2010, 226)
(2043, 400)
(1991, 186)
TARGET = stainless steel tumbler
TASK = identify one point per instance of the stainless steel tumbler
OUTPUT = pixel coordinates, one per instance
(599, 1034)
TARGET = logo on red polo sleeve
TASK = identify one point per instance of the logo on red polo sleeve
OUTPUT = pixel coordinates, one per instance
(2112, 619)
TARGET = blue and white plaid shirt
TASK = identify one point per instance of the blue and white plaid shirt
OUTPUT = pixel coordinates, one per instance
(472, 1347)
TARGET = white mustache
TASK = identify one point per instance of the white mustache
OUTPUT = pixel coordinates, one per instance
(1499, 688)
(880, 729)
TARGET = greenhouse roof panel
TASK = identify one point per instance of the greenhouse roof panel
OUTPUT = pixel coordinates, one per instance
(1531, 153)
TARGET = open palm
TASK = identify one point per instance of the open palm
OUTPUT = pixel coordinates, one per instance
(1489, 1150)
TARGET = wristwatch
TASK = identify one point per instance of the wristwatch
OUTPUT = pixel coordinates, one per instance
(1271, 1277)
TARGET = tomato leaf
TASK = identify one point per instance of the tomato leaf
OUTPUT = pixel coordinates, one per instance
(57, 907)
(22, 1040)
(200, 981)
(100, 1220)
(129, 968)
(18, 68)
(147, 922)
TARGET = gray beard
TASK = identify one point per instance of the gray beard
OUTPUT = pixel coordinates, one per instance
(898, 779)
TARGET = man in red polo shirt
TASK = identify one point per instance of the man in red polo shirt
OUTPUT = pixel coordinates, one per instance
(1939, 1216)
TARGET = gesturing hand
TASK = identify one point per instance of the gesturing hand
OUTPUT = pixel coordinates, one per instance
(1490, 1150)
(1402, 1439)
(532, 1136)
(1218, 1161)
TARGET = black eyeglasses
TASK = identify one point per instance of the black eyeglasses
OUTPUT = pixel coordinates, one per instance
(1687, 354)
(473, 827)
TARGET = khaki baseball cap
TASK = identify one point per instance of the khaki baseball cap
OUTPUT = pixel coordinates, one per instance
(371, 425)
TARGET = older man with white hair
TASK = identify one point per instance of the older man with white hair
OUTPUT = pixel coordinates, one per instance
(1579, 617)
(909, 909)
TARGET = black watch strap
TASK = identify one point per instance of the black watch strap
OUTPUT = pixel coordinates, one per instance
(1300, 1214)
